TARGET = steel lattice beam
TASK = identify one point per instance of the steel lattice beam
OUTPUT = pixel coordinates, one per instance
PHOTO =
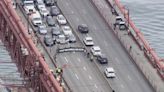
(23, 51)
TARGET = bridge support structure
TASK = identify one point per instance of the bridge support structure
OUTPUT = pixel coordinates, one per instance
(24, 53)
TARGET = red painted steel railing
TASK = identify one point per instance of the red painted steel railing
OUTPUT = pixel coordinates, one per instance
(159, 62)
(14, 22)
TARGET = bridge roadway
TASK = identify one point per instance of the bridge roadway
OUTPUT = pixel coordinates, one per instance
(129, 78)
(81, 75)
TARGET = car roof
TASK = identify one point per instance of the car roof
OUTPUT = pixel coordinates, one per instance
(122, 22)
(109, 69)
(88, 38)
(118, 17)
(96, 48)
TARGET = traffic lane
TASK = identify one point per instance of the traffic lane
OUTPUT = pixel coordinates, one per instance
(88, 74)
(123, 65)
(93, 22)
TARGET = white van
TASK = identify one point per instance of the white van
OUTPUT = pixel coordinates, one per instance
(36, 19)
(28, 6)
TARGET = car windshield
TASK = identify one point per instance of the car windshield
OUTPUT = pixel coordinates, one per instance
(61, 18)
(37, 18)
(29, 4)
(89, 40)
(42, 28)
(110, 72)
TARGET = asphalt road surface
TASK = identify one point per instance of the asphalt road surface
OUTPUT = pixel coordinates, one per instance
(80, 74)
(128, 77)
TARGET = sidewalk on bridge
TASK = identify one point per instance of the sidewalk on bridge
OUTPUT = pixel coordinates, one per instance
(131, 46)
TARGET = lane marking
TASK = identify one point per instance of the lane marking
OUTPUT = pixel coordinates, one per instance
(67, 4)
(77, 76)
(90, 77)
(117, 60)
(84, 68)
(95, 86)
(129, 77)
(77, 19)
(122, 86)
(106, 44)
(72, 12)
(79, 60)
(66, 59)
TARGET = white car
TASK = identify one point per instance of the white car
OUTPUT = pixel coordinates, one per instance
(42, 29)
(61, 39)
(88, 41)
(66, 30)
(29, 6)
(40, 4)
(44, 12)
(61, 19)
(36, 19)
(109, 72)
(96, 51)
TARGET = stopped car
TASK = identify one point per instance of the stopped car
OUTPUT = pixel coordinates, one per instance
(54, 10)
(39, 4)
(61, 19)
(72, 38)
(29, 6)
(83, 28)
(88, 41)
(109, 72)
(50, 21)
(102, 59)
(56, 30)
(95, 50)
(48, 40)
(36, 19)
(42, 29)
(49, 2)
(44, 12)
(66, 30)
(61, 39)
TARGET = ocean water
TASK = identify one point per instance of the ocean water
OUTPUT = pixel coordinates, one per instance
(148, 16)
(9, 74)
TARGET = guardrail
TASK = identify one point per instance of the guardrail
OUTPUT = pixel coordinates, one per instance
(151, 54)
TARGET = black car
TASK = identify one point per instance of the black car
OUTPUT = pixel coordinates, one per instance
(83, 28)
(54, 10)
(55, 30)
(48, 40)
(50, 21)
(102, 59)
(49, 2)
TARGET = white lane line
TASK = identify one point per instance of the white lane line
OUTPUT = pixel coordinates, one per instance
(122, 86)
(90, 77)
(67, 4)
(106, 44)
(129, 77)
(117, 60)
(79, 60)
(77, 76)
(77, 19)
(84, 68)
(95, 86)
(66, 59)
(72, 12)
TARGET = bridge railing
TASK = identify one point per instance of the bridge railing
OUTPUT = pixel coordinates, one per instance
(22, 37)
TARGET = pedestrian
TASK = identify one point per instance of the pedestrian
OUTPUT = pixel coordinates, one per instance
(130, 48)
(88, 54)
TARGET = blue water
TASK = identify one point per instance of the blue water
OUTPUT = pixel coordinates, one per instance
(148, 16)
